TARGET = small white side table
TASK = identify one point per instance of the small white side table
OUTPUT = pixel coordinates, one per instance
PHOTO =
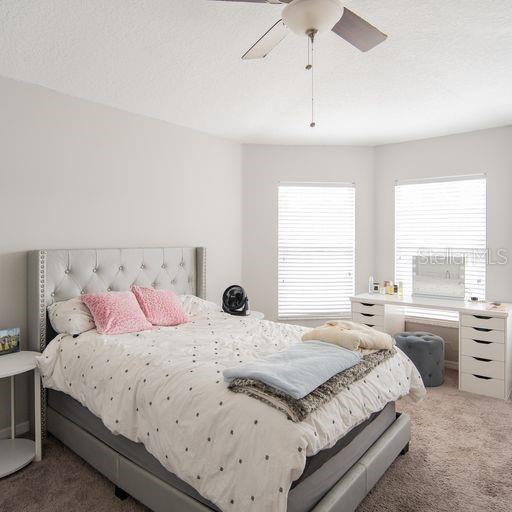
(17, 453)
(257, 315)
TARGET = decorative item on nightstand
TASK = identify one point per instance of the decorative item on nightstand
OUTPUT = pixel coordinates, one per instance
(235, 301)
(9, 341)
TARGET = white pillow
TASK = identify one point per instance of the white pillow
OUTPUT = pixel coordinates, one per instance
(70, 316)
(194, 305)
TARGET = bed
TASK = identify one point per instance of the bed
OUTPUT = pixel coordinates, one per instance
(171, 435)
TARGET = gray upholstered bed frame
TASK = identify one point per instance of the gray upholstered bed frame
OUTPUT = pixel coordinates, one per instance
(55, 275)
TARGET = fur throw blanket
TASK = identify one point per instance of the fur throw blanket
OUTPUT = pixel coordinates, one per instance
(299, 409)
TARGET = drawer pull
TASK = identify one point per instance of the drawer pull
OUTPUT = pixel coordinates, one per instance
(481, 377)
(370, 325)
(482, 329)
(367, 304)
(483, 342)
(482, 359)
(483, 317)
(367, 314)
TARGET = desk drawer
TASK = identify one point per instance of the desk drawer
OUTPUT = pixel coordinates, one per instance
(482, 386)
(482, 334)
(368, 318)
(481, 366)
(367, 307)
(377, 322)
(377, 327)
(483, 321)
(484, 349)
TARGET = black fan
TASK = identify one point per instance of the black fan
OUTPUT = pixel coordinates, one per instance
(235, 301)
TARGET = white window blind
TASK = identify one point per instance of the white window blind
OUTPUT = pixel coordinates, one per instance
(446, 217)
(316, 250)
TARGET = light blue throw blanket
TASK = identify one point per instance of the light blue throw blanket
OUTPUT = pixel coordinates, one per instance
(298, 370)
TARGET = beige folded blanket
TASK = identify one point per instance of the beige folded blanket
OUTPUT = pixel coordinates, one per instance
(351, 335)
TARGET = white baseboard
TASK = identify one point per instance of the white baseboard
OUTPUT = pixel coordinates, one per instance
(21, 428)
(452, 365)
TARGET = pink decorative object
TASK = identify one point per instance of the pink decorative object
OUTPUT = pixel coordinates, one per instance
(116, 312)
(161, 307)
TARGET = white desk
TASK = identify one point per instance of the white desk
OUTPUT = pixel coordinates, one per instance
(485, 336)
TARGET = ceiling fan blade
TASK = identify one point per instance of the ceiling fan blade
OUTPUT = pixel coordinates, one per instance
(358, 32)
(267, 42)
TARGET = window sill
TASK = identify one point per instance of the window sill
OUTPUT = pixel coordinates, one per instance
(439, 322)
(348, 316)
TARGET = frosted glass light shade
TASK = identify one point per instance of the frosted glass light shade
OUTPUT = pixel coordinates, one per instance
(303, 15)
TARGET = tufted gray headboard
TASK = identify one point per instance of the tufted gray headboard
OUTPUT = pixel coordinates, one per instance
(55, 275)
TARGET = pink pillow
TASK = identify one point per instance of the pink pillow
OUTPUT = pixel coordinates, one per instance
(161, 307)
(116, 312)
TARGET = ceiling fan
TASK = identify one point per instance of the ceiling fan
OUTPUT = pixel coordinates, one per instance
(311, 17)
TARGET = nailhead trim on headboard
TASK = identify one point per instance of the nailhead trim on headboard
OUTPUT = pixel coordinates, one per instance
(42, 333)
(42, 300)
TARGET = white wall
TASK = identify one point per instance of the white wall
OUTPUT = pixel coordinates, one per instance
(263, 168)
(488, 151)
(374, 170)
(76, 174)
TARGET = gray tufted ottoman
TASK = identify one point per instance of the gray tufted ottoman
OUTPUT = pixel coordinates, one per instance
(426, 351)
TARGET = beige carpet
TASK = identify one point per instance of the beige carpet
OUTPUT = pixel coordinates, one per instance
(460, 460)
(460, 457)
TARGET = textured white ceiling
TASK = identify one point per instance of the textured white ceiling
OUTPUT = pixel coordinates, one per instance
(446, 66)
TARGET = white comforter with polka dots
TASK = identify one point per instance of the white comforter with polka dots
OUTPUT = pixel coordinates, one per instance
(164, 388)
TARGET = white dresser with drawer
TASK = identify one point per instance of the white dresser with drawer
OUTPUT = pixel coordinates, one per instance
(385, 318)
(485, 336)
(485, 354)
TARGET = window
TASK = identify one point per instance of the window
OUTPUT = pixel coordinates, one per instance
(445, 216)
(316, 249)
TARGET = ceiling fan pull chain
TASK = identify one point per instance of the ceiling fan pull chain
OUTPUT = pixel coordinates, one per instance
(312, 124)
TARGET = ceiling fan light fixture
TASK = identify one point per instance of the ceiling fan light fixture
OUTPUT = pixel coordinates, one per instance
(303, 16)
